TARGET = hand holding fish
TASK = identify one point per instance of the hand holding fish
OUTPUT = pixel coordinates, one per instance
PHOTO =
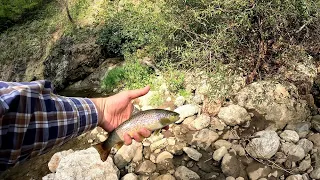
(115, 117)
(114, 110)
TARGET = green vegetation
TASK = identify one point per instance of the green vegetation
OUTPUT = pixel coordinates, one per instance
(221, 37)
(13, 10)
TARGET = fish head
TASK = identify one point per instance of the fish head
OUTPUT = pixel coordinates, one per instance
(170, 118)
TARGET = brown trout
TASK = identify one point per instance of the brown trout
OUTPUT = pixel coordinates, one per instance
(153, 119)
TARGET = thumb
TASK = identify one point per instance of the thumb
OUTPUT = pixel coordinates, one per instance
(138, 92)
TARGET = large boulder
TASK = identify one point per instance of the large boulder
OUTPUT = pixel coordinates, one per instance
(277, 103)
(84, 164)
(70, 62)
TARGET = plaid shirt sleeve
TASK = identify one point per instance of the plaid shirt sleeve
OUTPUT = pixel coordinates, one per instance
(33, 120)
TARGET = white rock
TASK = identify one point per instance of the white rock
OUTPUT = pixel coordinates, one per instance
(56, 158)
(306, 145)
(290, 136)
(265, 146)
(219, 153)
(201, 121)
(204, 138)
(138, 154)
(164, 155)
(192, 153)
(130, 176)
(234, 115)
(186, 111)
(183, 173)
(101, 137)
(94, 131)
(84, 164)
(125, 154)
(159, 144)
(90, 141)
(180, 100)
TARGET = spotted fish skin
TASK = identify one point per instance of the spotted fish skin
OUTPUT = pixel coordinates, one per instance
(152, 119)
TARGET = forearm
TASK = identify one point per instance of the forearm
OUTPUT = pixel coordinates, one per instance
(34, 120)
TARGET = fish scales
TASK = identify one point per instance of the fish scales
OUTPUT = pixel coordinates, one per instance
(153, 119)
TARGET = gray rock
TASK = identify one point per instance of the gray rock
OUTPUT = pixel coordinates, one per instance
(315, 174)
(198, 99)
(302, 128)
(315, 123)
(165, 177)
(230, 165)
(164, 155)
(257, 170)
(55, 159)
(146, 167)
(186, 111)
(234, 115)
(183, 173)
(204, 138)
(278, 103)
(221, 142)
(239, 149)
(290, 136)
(315, 139)
(84, 164)
(219, 153)
(180, 100)
(304, 165)
(189, 122)
(295, 177)
(265, 146)
(217, 124)
(130, 176)
(192, 153)
(125, 154)
(201, 121)
(294, 152)
(177, 148)
(306, 145)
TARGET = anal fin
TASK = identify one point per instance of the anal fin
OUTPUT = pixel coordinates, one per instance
(104, 153)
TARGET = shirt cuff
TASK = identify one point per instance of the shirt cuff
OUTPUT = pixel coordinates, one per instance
(87, 114)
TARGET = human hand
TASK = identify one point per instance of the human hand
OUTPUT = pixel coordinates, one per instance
(114, 110)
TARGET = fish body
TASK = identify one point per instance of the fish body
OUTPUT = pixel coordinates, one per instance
(152, 119)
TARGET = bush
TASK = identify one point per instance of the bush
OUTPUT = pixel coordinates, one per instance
(13, 10)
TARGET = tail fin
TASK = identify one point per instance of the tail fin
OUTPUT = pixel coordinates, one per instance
(104, 153)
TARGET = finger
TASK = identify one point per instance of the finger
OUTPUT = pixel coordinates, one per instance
(137, 137)
(138, 92)
(144, 132)
(127, 139)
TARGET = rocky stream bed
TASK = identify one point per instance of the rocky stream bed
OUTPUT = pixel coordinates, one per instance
(267, 131)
